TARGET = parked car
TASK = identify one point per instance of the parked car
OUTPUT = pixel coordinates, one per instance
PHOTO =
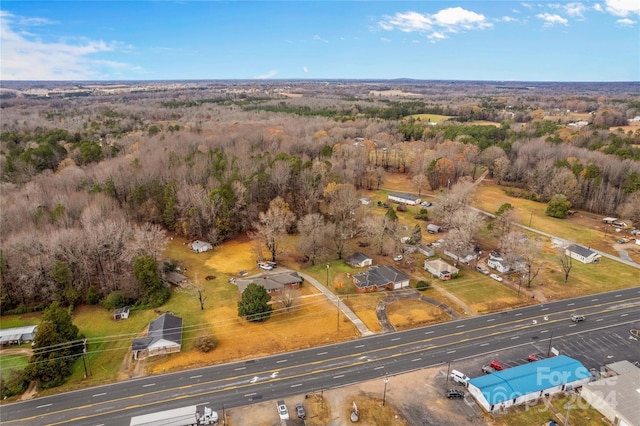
(533, 358)
(459, 377)
(455, 394)
(398, 258)
(496, 277)
(577, 317)
(426, 204)
(488, 370)
(282, 410)
(300, 411)
(496, 365)
(482, 270)
(264, 265)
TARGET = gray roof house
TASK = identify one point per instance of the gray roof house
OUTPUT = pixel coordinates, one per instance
(581, 253)
(426, 250)
(164, 337)
(380, 277)
(176, 278)
(360, 260)
(273, 282)
(441, 269)
(404, 199)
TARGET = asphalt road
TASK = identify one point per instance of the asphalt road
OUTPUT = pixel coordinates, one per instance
(318, 369)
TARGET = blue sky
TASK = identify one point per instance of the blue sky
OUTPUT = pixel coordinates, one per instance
(432, 40)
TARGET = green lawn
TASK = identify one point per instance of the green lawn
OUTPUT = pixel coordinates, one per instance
(11, 363)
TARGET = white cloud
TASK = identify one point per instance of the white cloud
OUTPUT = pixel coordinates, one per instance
(318, 38)
(27, 57)
(550, 20)
(623, 7)
(266, 76)
(597, 7)
(625, 22)
(507, 19)
(450, 20)
(305, 69)
(575, 9)
(386, 40)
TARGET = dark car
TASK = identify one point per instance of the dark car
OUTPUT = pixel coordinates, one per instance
(533, 358)
(455, 394)
(300, 411)
(496, 365)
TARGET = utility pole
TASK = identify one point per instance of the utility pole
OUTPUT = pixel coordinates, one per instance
(384, 395)
(84, 351)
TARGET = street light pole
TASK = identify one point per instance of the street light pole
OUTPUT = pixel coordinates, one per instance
(384, 395)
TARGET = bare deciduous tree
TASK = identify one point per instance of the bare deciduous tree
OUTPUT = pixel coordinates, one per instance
(566, 261)
(312, 243)
(287, 297)
(274, 224)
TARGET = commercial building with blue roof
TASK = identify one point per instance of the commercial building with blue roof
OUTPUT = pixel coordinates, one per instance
(528, 382)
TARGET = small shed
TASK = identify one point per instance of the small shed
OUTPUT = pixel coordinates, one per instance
(176, 278)
(201, 246)
(426, 250)
(432, 228)
(121, 313)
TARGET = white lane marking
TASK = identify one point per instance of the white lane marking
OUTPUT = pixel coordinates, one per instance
(594, 300)
(395, 338)
(571, 304)
(459, 326)
(250, 394)
(450, 352)
(43, 406)
(359, 346)
(99, 394)
(515, 337)
(321, 353)
(618, 295)
(429, 332)
(196, 377)
(240, 368)
(338, 376)
(378, 368)
(599, 319)
(491, 319)
(148, 384)
(544, 309)
(296, 385)
(544, 331)
(281, 361)
(416, 359)
(624, 315)
(484, 344)
(518, 314)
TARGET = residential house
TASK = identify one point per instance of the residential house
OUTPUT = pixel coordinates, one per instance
(497, 262)
(407, 199)
(360, 260)
(201, 246)
(121, 313)
(441, 269)
(465, 257)
(273, 282)
(378, 278)
(176, 278)
(164, 337)
(17, 335)
(581, 253)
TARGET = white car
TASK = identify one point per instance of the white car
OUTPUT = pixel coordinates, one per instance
(496, 277)
(266, 266)
(398, 258)
(282, 410)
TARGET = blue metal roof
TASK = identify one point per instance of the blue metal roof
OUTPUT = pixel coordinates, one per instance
(529, 378)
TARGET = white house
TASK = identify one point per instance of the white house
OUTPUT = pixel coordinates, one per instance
(164, 337)
(407, 199)
(201, 246)
(17, 335)
(465, 257)
(360, 260)
(121, 313)
(581, 253)
(432, 228)
(441, 269)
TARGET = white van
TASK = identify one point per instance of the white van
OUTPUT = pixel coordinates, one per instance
(459, 377)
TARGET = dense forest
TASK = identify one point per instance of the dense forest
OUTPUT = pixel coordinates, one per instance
(93, 177)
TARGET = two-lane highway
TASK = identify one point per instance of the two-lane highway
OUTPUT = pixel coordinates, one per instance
(322, 368)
